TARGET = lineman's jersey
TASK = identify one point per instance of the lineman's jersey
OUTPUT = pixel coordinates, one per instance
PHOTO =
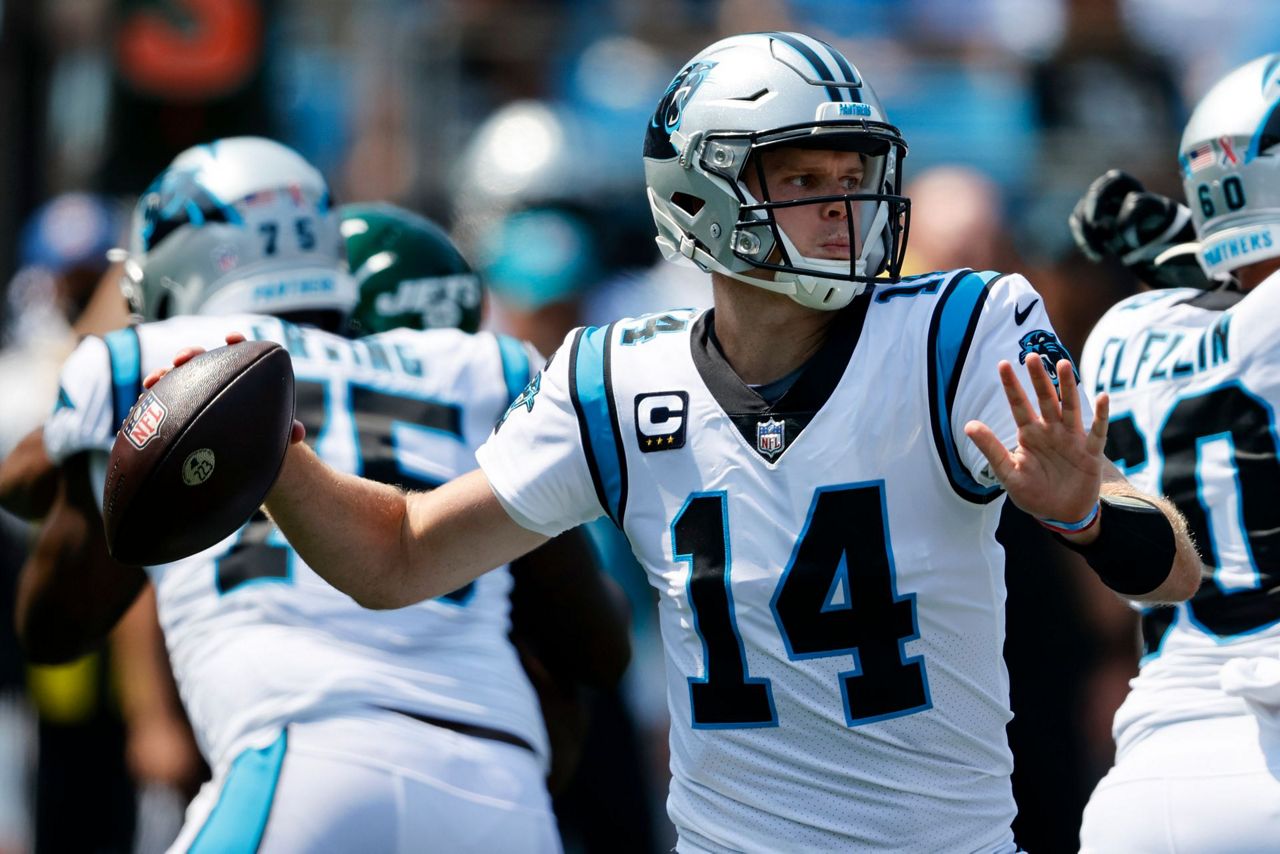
(256, 638)
(831, 590)
(1194, 379)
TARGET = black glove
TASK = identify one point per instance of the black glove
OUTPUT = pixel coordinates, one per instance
(1118, 218)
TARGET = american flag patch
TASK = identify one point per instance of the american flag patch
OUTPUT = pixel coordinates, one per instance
(1200, 157)
(260, 198)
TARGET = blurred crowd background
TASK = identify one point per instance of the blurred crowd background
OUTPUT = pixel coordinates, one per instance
(517, 124)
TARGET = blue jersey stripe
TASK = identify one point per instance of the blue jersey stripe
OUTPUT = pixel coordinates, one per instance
(126, 368)
(239, 819)
(820, 67)
(515, 365)
(950, 336)
(591, 393)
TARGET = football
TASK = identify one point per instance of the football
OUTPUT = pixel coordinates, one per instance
(197, 453)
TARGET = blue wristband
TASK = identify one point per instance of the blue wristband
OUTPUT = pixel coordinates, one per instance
(1073, 527)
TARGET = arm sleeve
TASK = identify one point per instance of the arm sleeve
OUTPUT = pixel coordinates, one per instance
(83, 419)
(1014, 326)
(534, 459)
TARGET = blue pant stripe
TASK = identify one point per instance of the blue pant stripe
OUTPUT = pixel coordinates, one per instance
(239, 819)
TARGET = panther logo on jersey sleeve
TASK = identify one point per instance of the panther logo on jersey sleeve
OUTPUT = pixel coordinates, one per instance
(1043, 343)
(525, 399)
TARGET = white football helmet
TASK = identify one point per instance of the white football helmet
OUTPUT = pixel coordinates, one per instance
(1230, 160)
(750, 92)
(242, 224)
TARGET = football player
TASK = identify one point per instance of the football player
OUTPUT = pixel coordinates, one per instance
(327, 727)
(811, 473)
(1194, 376)
(411, 276)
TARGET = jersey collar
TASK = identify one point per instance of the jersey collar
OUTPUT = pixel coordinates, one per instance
(818, 379)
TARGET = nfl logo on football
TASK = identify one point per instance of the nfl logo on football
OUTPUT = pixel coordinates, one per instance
(144, 420)
(770, 437)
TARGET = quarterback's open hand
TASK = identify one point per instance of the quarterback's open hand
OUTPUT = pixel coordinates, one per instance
(1055, 472)
(297, 435)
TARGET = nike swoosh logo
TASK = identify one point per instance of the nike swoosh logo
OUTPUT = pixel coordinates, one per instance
(1020, 314)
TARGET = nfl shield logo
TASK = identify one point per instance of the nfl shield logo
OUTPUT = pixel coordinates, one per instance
(143, 421)
(226, 258)
(770, 437)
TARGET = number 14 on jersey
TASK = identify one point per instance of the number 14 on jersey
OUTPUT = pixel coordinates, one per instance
(836, 597)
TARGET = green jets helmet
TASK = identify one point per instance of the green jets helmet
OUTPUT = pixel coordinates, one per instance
(409, 273)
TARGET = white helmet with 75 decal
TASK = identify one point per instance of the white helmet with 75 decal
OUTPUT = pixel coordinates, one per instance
(748, 93)
(242, 224)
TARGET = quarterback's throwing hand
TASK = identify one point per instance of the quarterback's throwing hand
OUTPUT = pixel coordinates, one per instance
(1055, 472)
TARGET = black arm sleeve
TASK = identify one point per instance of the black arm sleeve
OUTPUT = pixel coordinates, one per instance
(1134, 551)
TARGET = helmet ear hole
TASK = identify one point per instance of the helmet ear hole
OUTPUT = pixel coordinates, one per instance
(688, 203)
(163, 305)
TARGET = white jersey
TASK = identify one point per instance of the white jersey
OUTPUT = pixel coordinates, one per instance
(256, 638)
(831, 590)
(1195, 384)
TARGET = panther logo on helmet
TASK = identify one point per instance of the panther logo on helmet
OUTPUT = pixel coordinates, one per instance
(174, 199)
(666, 118)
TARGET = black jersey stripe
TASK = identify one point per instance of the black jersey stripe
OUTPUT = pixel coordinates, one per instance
(618, 447)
